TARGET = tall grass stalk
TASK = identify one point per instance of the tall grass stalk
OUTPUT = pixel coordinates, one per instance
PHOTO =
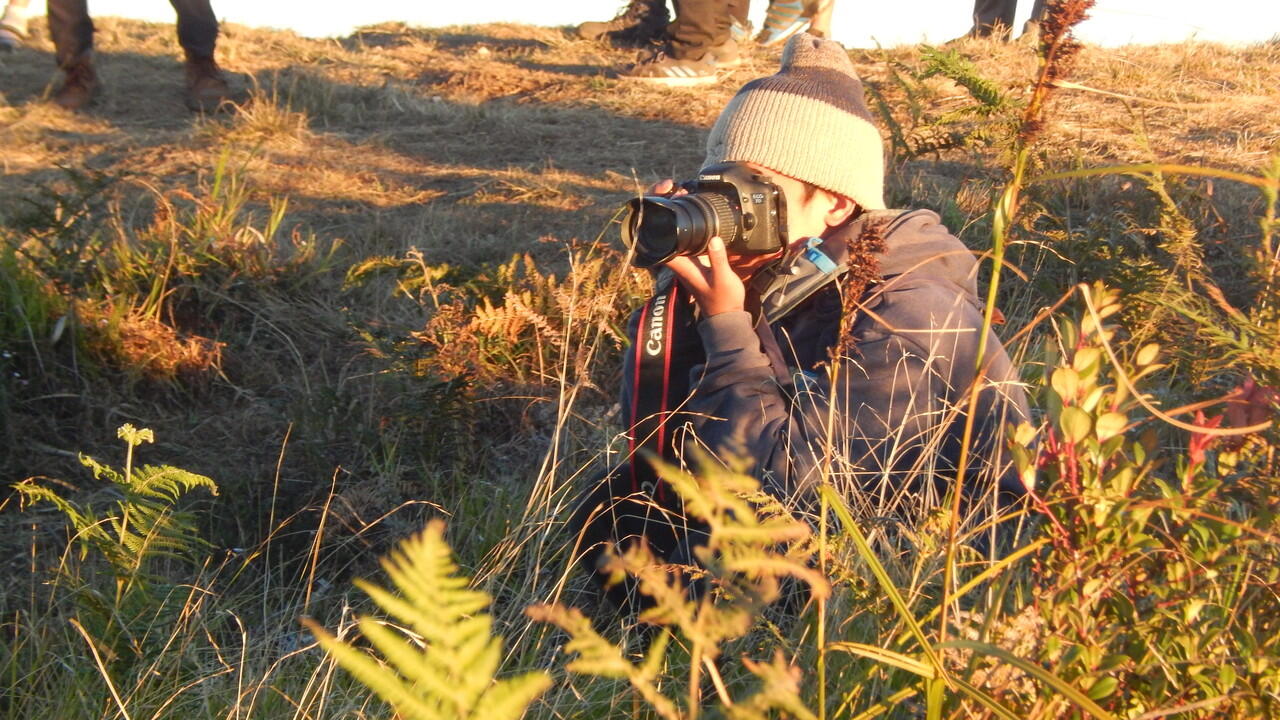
(1058, 48)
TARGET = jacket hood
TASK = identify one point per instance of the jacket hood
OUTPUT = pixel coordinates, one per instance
(919, 246)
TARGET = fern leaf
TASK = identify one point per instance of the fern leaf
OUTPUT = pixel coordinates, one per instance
(32, 493)
(374, 676)
(508, 699)
(596, 656)
(168, 483)
(101, 471)
(426, 678)
(453, 675)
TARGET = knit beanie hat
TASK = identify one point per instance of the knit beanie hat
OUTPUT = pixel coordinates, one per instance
(809, 121)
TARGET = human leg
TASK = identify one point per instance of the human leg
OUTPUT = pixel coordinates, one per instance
(699, 43)
(993, 18)
(71, 30)
(207, 87)
(72, 33)
(700, 25)
(1031, 29)
(197, 27)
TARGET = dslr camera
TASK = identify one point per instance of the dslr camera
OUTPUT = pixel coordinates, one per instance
(730, 200)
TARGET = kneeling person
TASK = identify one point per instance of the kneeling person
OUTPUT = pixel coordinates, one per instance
(858, 338)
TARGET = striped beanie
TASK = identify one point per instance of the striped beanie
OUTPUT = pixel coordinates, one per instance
(809, 121)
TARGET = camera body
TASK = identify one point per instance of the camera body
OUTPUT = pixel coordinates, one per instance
(744, 208)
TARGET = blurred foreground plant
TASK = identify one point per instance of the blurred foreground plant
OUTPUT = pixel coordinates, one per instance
(442, 666)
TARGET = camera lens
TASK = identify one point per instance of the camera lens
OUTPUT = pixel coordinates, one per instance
(661, 228)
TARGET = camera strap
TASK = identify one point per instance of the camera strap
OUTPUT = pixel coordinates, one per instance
(666, 346)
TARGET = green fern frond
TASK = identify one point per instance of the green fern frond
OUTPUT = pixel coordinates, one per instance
(144, 523)
(779, 692)
(167, 483)
(447, 670)
(954, 66)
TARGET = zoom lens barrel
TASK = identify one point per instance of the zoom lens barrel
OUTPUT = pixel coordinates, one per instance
(660, 228)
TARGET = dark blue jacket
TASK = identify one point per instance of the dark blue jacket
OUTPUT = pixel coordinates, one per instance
(901, 390)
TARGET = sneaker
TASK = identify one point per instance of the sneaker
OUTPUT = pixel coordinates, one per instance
(662, 69)
(640, 22)
(13, 27)
(783, 19)
(739, 31)
(207, 87)
(9, 40)
(788, 17)
(79, 86)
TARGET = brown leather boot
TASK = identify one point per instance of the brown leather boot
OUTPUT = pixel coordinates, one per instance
(639, 23)
(207, 87)
(79, 86)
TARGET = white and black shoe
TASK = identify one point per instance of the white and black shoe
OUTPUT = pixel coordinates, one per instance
(663, 69)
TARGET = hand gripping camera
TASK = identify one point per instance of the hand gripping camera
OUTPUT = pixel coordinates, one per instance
(730, 200)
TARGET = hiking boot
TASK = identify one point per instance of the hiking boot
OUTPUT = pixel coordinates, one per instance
(663, 69)
(1030, 34)
(725, 56)
(79, 85)
(641, 22)
(207, 87)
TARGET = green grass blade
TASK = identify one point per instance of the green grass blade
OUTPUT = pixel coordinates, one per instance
(1057, 683)
(882, 576)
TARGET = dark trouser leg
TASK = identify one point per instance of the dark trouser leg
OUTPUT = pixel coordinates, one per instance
(993, 17)
(197, 27)
(700, 25)
(71, 30)
(1037, 11)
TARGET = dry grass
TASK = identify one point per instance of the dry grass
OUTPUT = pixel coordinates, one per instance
(471, 145)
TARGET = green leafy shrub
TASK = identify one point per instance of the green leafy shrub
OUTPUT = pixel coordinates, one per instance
(1156, 591)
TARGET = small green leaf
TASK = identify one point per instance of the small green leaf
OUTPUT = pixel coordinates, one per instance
(1103, 687)
(1091, 400)
(1147, 354)
(1227, 676)
(1086, 357)
(1066, 382)
(1075, 423)
(1024, 434)
(1109, 425)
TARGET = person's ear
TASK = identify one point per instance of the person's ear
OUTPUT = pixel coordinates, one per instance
(839, 210)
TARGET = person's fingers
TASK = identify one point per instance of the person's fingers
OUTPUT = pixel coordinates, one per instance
(721, 270)
(662, 187)
(693, 277)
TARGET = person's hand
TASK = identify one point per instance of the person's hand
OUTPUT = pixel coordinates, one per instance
(716, 288)
(666, 188)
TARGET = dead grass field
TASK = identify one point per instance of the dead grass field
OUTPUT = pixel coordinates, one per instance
(472, 144)
(295, 297)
